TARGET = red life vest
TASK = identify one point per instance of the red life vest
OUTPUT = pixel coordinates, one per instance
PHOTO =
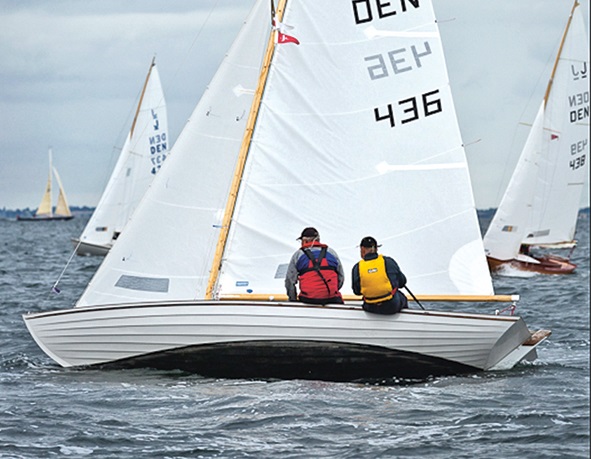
(319, 279)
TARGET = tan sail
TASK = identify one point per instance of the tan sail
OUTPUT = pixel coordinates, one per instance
(44, 208)
(62, 209)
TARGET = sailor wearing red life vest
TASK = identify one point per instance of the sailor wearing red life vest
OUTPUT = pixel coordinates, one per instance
(318, 270)
(378, 279)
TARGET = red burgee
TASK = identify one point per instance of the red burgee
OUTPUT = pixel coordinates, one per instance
(283, 38)
(553, 136)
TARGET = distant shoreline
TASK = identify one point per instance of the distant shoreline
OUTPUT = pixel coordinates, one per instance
(10, 214)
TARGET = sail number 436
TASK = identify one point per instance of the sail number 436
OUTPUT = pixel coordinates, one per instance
(410, 109)
(576, 148)
(577, 162)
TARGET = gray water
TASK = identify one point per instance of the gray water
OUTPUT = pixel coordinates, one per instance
(536, 410)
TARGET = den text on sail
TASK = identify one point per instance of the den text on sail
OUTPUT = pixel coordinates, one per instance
(158, 146)
(579, 111)
(368, 10)
(397, 61)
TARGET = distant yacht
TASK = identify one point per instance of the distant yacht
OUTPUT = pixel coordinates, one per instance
(540, 207)
(142, 155)
(45, 211)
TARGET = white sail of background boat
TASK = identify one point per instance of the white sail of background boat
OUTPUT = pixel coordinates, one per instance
(45, 210)
(353, 131)
(541, 204)
(143, 153)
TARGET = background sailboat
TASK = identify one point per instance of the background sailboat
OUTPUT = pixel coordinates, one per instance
(196, 280)
(143, 153)
(541, 204)
(45, 210)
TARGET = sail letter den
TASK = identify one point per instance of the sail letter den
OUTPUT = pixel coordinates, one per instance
(397, 61)
(579, 104)
(368, 10)
(158, 150)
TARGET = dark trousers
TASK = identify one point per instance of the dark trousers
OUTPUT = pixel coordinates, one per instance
(394, 305)
(334, 300)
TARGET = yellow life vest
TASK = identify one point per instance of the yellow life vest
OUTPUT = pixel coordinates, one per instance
(375, 285)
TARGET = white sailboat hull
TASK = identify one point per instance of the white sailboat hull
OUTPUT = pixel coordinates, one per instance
(279, 340)
(91, 249)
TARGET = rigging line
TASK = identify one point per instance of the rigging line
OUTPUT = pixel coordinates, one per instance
(551, 61)
(59, 278)
(174, 76)
(507, 170)
(209, 14)
(414, 297)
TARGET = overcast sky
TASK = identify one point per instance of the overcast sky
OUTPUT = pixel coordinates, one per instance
(71, 72)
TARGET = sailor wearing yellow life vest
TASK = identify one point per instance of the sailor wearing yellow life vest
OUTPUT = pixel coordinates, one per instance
(378, 279)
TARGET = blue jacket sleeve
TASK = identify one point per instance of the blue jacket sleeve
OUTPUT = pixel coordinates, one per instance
(397, 278)
(356, 281)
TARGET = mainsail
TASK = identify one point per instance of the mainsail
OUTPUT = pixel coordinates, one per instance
(564, 167)
(45, 207)
(384, 159)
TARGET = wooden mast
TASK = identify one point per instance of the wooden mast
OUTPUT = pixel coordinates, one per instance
(137, 111)
(252, 117)
(570, 18)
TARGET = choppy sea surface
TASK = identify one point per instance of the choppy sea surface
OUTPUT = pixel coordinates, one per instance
(536, 410)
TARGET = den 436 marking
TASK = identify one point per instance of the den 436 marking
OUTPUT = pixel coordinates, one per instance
(410, 109)
(575, 163)
(576, 149)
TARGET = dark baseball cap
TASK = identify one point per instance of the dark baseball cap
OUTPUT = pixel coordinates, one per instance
(308, 232)
(368, 242)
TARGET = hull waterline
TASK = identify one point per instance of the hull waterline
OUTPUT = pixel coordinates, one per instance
(548, 264)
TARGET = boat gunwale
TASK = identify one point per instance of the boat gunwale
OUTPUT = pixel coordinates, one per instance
(236, 303)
